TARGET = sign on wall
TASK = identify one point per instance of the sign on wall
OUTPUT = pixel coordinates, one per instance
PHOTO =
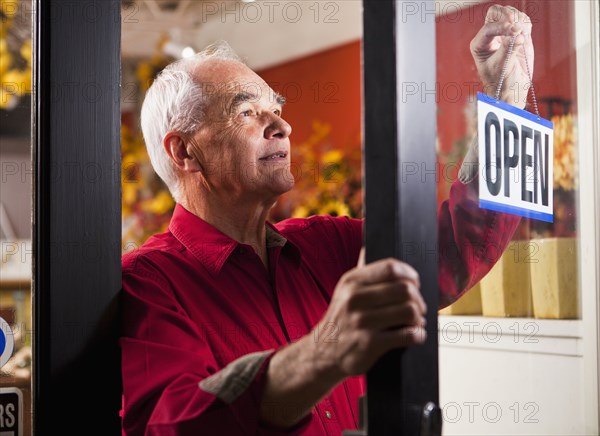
(7, 342)
(516, 150)
(11, 412)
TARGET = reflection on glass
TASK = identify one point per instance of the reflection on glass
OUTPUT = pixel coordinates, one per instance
(511, 360)
(15, 217)
(537, 274)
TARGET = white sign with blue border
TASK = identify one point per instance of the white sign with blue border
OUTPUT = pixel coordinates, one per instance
(516, 156)
(7, 342)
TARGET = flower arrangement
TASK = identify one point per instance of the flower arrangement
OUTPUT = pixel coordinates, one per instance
(146, 71)
(565, 164)
(146, 202)
(15, 54)
(565, 181)
(327, 178)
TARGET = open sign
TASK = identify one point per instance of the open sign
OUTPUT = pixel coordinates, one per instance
(516, 150)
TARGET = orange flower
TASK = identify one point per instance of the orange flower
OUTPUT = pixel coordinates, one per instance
(565, 162)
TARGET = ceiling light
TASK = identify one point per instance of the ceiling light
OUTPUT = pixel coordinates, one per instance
(187, 52)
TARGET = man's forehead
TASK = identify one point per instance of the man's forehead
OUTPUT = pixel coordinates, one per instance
(227, 75)
(233, 82)
(229, 79)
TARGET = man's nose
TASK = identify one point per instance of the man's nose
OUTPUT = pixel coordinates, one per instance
(277, 128)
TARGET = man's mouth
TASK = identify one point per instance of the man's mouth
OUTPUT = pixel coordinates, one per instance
(279, 155)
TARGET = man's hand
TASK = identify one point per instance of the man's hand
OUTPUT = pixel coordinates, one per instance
(490, 48)
(374, 309)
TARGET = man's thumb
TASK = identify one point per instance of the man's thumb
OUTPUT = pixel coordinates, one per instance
(361, 258)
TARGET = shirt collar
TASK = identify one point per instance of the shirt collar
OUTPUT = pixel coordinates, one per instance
(212, 247)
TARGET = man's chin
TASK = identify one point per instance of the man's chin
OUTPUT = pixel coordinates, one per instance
(283, 186)
(282, 182)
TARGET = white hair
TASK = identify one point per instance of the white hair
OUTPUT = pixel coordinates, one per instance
(175, 102)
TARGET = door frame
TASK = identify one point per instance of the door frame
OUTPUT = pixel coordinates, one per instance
(76, 217)
(77, 203)
(399, 160)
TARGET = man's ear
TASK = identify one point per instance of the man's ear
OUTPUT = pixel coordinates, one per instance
(175, 146)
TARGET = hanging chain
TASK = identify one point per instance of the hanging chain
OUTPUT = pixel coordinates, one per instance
(535, 105)
(505, 67)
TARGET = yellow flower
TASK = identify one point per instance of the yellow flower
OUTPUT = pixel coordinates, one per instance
(9, 7)
(162, 203)
(565, 161)
(144, 74)
(300, 212)
(158, 60)
(5, 61)
(11, 77)
(332, 156)
(17, 81)
(335, 208)
(129, 193)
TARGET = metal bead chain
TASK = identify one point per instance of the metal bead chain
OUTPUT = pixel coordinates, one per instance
(535, 105)
(505, 66)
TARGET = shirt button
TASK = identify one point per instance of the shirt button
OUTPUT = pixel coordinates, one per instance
(328, 414)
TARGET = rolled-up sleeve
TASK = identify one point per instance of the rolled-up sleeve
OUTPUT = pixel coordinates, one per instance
(171, 382)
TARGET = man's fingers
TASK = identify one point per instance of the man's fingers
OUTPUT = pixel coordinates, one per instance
(361, 257)
(500, 21)
(387, 294)
(487, 39)
(408, 314)
(384, 270)
(402, 337)
(508, 14)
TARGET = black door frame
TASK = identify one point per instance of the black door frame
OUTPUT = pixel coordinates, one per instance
(77, 220)
(400, 199)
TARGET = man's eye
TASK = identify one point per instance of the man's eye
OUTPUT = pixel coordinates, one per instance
(277, 112)
(247, 113)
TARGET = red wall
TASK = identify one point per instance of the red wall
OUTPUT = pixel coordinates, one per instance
(325, 87)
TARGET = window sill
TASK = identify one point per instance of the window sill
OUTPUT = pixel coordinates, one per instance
(522, 335)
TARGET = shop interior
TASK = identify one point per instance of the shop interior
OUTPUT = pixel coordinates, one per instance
(519, 351)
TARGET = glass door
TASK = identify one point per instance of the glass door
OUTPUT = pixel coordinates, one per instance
(519, 349)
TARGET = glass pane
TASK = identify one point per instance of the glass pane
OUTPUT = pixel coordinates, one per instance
(314, 63)
(15, 217)
(510, 357)
(309, 52)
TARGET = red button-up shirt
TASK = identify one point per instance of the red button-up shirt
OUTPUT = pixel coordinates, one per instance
(195, 300)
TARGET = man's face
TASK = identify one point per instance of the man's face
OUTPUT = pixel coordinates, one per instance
(244, 145)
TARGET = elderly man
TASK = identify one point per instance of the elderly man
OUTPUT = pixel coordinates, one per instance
(236, 326)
